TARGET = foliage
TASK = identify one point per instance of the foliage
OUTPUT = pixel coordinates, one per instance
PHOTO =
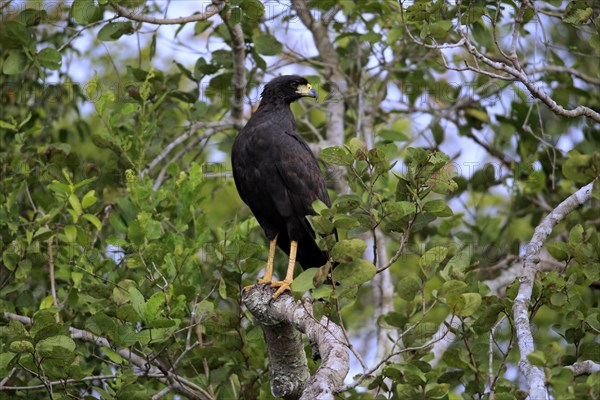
(116, 220)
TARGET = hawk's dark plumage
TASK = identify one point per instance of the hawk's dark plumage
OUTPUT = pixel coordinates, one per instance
(277, 175)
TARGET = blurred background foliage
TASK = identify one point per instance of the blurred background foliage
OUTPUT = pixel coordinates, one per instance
(118, 214)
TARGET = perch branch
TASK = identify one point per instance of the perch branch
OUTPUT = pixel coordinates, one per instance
(289, 375)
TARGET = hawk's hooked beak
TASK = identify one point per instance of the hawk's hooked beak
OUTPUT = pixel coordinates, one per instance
(307, 91)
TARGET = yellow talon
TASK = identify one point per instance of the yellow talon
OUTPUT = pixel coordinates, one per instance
(283, 286)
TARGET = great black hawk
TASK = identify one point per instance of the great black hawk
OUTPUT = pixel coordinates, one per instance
(278, 177)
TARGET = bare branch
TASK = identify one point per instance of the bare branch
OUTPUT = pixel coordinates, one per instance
(515, 35)
(52, 277)
(212, 127)
(535, 375)
(584, 367)
(565, 70)
(213, 9)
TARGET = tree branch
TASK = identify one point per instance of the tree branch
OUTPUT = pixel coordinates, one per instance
(176, 382)
(584, 367)
(289, 374)
(566, 70)
(335, 105)
(212, 128)
(535, 91)
(535, 375)
(238, 81)
(213, 9)
(497, 286)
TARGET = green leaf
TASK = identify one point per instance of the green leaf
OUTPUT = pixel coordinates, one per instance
(137, 301)
(469, 303)
(60, 348)
(114, 30)
(222, 289)
(74, 201)
(348, 250)
(201, 26)
(392, 135)
(50, 58)
(9, 126)
(558, 299)
(10, 259)
(408, 288)
(266, 44)
(346, 203)
(14, 64)
(438, 208)
(354, 273)
(93, 219)
(558, 250)
(576, 234)
(15, 35)
(304, 281)
(578, 167)
(88, 199)
(112, 355)
(432, 257)
(453, 288)
(336, 155)
(400, 209)
(457, 265)
(71, 233)
(6, 360)
(21, 346)
(84, 12)
(154, 306)
(204, 310)
(437, 391)
(537, 358)
(406, 392)
(579, 16)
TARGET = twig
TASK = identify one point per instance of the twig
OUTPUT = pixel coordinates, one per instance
(212, 128)
(403, 241)
(53, 278)
(213, 9)
(62, 382)
(7, 377)
(158, 395)
(515, 35)
(388, 357)
(85, 28)
(565, 70)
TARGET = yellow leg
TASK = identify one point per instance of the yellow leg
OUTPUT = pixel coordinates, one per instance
(269, 271)
(289, 276)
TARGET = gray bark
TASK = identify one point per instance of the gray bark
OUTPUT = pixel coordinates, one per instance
(282, 320)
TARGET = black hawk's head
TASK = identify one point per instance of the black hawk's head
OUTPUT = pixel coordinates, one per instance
(288, 88)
